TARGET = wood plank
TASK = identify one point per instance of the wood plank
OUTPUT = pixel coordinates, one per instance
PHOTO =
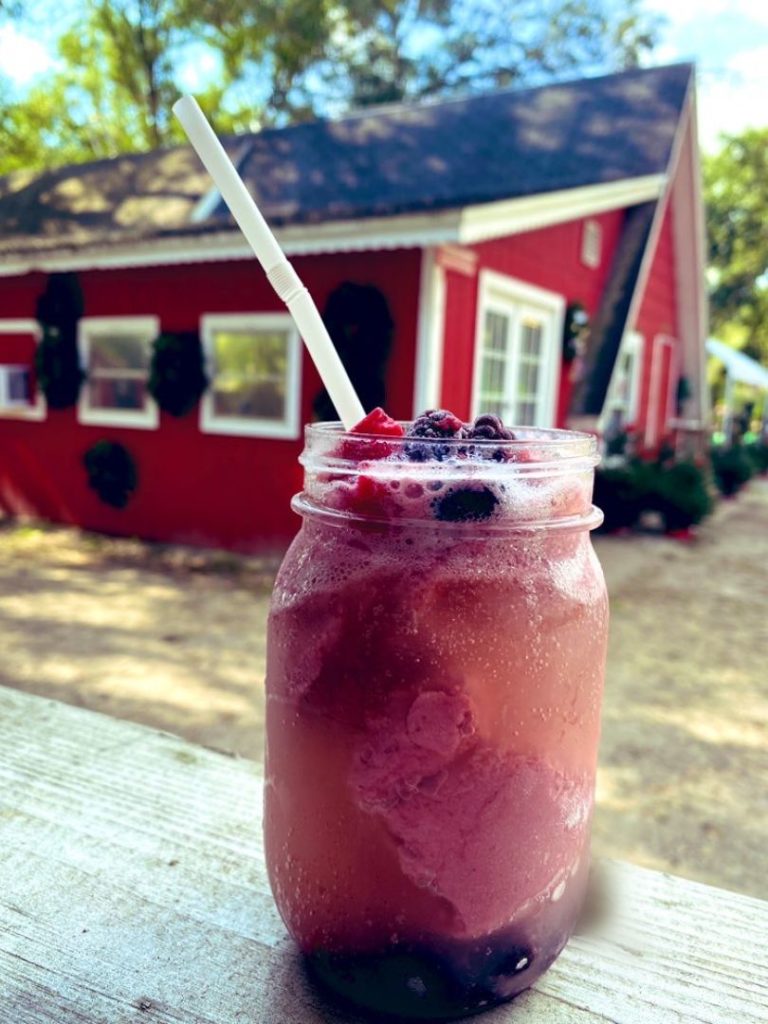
(133, 889)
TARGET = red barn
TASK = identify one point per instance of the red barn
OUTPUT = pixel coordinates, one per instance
(472, 228)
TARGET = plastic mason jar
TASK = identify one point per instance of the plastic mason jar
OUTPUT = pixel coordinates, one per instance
(436, 655)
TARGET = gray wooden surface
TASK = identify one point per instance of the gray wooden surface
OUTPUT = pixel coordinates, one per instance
(132, 888)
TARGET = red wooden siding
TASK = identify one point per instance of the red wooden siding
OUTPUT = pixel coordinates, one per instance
(658, 318)
(549, 258)
(194, 487)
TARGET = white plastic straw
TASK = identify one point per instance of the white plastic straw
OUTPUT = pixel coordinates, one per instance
(280, 273)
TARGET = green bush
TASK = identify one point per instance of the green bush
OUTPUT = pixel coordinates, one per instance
(176, 375)
(758, 455)
(732, 468)
(111, 472)
(619, 495)
(678, 491)
(681, 495)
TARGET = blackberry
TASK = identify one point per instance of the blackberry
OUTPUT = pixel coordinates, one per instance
(465, 505)
(490, 428)
(434, 425)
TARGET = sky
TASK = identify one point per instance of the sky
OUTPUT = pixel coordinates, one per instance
(728, 40)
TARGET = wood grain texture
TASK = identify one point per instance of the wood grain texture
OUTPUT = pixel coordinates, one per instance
(133, 889)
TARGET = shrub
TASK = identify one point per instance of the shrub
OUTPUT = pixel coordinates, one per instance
(732, 468)
(681, 495)
(619, 494)
(111, 472)
(758, 455)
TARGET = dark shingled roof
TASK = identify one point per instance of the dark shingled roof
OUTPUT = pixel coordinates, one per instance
(402, 159)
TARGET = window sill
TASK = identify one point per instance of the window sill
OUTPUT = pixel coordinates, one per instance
(30, 413)
(251, 428)
(149, 419)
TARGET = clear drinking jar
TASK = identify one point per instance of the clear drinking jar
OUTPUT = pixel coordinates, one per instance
(435, 668)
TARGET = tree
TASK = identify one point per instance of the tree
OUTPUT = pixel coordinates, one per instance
(277, 61)
(736, 194)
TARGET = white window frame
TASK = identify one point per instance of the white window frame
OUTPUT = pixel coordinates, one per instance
(289, 427)
(500, 290)
(147, 418)
(635, 342)
(38, 410)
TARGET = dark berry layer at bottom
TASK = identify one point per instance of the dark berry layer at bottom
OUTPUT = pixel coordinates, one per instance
(436, 982)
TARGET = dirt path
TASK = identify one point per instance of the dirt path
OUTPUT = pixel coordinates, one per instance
(175, 639)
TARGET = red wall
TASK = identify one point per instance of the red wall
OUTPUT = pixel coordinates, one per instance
(194, 487)
(549, 258)
(658, 316)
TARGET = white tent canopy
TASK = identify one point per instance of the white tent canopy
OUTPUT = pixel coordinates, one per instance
(738, 366)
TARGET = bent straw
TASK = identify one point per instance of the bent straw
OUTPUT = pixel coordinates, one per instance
(279, 271)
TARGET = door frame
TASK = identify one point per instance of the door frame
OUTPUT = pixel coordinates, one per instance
(652, 432)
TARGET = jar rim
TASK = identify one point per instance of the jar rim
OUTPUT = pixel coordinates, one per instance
(574, 442)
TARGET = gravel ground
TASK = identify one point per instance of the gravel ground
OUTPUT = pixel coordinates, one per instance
(174, 638)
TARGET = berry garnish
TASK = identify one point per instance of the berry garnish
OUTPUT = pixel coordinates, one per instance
(435, 424)
(465, 504)
(378, 424)
(490, 428)
(371, 497)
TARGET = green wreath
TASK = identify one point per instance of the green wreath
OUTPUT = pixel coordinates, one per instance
(57, 363)
(177, 375)
(111, 472)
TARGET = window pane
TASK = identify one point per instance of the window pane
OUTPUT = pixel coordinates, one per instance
(251, 369)
(263, 400)
(117, 352)
(526, 414)
(116, 393)
(531, 339)
(494, 407)
(18, 387)
(496, 330)
(492, 376)
(248, 354)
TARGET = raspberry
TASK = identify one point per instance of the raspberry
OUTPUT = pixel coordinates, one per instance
(379, 423)
(432, 425)
(465, 504)
(371, 497)
(376, 423)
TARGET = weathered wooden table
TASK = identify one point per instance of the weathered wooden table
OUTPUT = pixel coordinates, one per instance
(132, 889)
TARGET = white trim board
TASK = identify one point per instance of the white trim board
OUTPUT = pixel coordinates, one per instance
(464, 225)
(430, 336)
